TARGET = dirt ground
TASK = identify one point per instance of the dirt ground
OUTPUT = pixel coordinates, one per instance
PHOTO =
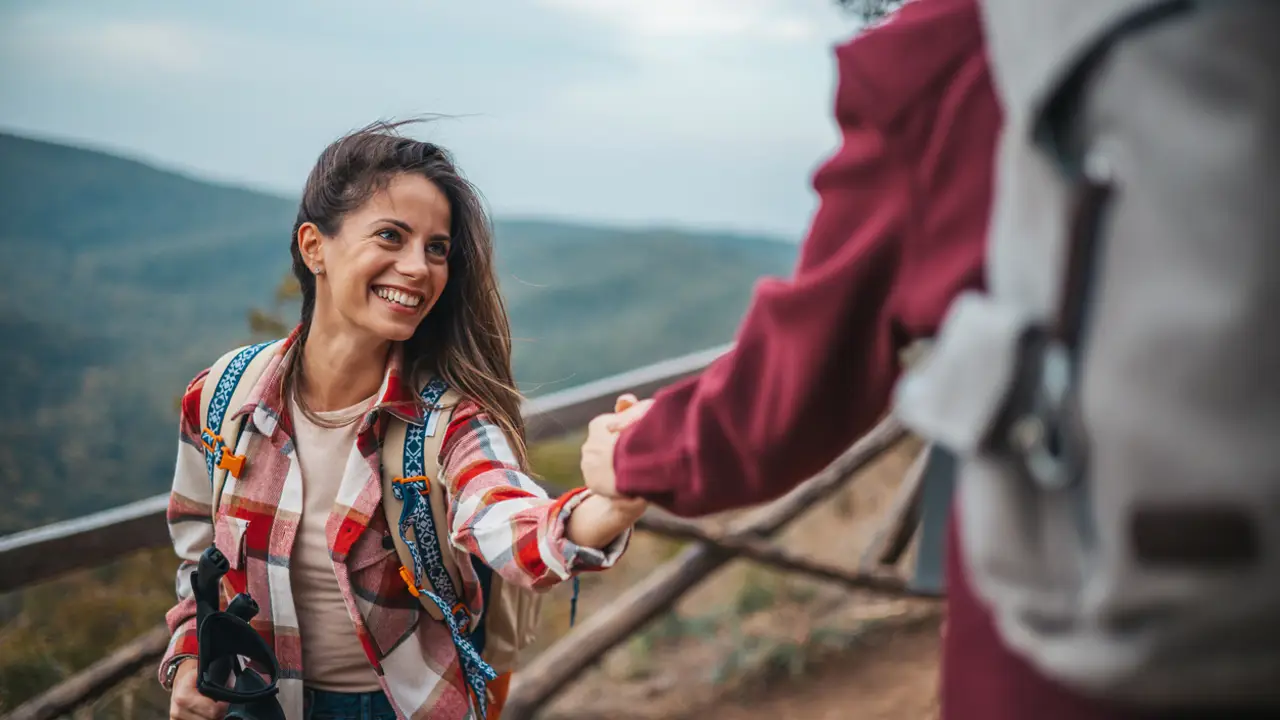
(751, 643)
(894, 678)
(873, 662)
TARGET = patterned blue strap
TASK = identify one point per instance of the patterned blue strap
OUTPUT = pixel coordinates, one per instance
(211, 433)
(412, 491)
(415, 512)
(475, 670)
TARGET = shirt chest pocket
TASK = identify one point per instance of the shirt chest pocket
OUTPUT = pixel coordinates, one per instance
(372, 549)
(374, 569)
(229, 536)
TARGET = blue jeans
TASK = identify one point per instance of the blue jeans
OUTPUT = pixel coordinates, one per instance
(325, 705)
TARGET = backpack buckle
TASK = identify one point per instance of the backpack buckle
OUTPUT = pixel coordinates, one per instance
(462, 616)
(231, 462)
(223, 458)
(409, 581)
(426, 482)
(210, 440)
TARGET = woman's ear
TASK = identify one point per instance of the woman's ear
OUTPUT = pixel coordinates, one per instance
(310, 243)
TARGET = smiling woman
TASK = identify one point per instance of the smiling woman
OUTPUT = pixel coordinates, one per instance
(403, 343)
(370, 276)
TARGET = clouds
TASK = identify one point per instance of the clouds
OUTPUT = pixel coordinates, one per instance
(134, 46)
(109, 50)
(695, 112)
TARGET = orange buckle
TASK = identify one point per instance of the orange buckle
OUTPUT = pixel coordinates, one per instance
(210, 440)
(232, 463)
(227, 460)
(460, 609)
(407, 577)
(426, 482)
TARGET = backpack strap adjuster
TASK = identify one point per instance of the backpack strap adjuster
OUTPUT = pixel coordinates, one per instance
(409, 581)
(426, 483)
(461, 615)
(223, 458)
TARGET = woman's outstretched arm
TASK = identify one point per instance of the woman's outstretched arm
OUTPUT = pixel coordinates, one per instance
(499, 514)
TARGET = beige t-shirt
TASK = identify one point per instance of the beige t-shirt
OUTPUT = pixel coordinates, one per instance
(332, 657)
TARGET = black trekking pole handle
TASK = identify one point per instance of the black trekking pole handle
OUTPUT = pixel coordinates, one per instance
(212, 567)
(206, 584)
(205, 581)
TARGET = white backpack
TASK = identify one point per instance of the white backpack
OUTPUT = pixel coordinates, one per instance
(1114, 397)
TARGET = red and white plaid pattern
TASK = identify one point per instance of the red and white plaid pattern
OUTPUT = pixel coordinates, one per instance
(496, 512)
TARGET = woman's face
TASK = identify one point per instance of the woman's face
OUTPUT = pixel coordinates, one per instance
(388, 263)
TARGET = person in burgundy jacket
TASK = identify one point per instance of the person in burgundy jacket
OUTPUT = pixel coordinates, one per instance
(900, 230)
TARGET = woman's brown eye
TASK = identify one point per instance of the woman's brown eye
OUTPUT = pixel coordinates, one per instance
(438, 249)
(389, 235)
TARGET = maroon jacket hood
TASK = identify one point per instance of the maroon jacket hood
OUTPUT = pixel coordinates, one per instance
(892, 64)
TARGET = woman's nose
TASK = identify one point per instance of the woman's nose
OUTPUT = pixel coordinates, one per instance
(413, 263)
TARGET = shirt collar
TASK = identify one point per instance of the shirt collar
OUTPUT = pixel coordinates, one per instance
(267, 404)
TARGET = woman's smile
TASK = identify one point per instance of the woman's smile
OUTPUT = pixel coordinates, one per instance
(399, 299)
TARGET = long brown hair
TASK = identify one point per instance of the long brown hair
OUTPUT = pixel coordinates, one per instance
(466, 337)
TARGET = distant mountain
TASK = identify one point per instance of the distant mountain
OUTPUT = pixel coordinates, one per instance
(119, 281)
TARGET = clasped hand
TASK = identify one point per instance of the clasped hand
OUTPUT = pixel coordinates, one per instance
(606, 514)
(602, 439)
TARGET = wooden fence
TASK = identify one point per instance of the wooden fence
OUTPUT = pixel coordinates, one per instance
(42, 554)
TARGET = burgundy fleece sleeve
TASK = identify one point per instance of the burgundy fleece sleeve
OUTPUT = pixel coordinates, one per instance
(899, 231)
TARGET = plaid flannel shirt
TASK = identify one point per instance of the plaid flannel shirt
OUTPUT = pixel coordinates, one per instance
(496, 512)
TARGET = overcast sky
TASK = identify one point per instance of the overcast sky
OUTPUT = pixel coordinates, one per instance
(700, 113)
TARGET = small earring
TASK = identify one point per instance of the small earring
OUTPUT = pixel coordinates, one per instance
(319, 270)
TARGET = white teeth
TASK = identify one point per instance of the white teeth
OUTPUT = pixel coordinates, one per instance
(400, 298)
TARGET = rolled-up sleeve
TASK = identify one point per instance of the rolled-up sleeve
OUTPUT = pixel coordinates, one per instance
(502, 516)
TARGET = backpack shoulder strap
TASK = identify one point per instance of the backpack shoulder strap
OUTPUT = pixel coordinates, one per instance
(227, 386)
(415, 503)
(410, 457)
